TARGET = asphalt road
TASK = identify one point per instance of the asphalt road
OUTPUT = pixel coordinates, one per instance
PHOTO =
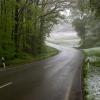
(56, 78)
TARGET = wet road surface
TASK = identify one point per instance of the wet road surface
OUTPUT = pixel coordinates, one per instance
(56, 78)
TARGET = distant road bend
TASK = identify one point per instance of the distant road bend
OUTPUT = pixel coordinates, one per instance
(56, 78)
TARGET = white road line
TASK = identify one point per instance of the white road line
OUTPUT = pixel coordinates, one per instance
(7, 84)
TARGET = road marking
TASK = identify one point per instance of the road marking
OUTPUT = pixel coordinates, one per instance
(7, 84)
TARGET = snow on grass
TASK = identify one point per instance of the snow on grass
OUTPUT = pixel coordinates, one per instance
(93, 74)
(68, 39)
(93, 83)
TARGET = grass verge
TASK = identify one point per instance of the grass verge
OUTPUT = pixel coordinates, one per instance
(89, 71)
(85, 76)
(25, 58)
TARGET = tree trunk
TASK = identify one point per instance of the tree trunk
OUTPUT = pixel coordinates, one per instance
(16, 28)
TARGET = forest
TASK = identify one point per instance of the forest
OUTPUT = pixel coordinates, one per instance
(86, 19)
(24, 25)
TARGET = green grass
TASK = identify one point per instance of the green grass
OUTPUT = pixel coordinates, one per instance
(85, 76)
(96, 63)
(94, 52)
(25, 58)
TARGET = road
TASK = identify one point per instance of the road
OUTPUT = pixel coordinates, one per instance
(56, 78)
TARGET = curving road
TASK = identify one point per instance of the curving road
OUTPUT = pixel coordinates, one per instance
(56, 78)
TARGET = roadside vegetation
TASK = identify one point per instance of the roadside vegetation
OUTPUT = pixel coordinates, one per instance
(92, 74)
(24, 57)
(86, 20)
(24, 26)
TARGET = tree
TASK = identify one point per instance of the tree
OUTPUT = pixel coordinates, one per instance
(86, 19)
(79, 25)
(24, 24)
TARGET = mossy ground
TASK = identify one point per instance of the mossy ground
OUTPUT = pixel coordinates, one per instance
(24, 58)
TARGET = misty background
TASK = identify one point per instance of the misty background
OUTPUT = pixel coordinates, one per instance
(64, 34)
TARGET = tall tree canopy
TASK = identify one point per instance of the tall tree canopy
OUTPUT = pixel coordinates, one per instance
(24, 24)
(86, 19)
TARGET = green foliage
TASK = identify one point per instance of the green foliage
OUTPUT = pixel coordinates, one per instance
(95, 7)
(80, 27)
(24, 25)
(94, 55)
(87, 22)
(24, 57)
(6, 25)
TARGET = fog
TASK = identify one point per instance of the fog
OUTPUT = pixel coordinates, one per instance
(64, 34)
